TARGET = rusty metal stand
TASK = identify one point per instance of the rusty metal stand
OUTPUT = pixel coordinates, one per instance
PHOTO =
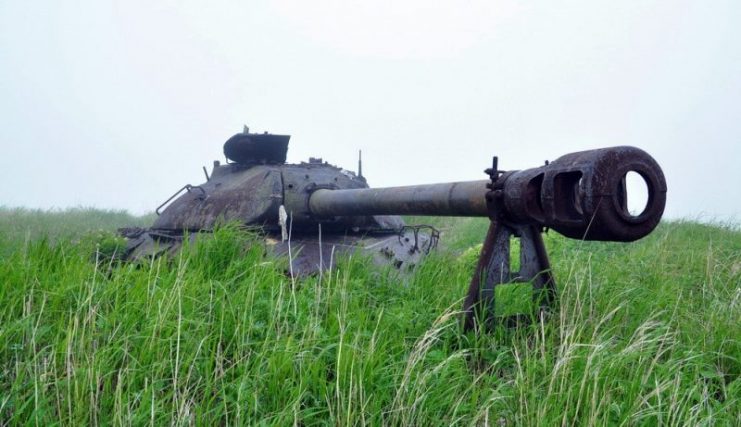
(494, 267)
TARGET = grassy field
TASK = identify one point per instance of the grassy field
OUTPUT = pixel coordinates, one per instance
(644, 334)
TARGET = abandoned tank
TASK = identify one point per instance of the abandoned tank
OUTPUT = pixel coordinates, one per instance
(313, 212)
(255, 187)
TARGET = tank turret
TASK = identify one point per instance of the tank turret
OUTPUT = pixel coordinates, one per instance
(256, 187)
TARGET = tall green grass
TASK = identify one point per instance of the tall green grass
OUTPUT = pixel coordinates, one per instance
(19, 225)
(644, 334)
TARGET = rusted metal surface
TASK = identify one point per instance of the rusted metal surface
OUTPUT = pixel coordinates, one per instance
(580, 195)
(248, 195)
(448, 199)
(583, 195)
(310, 253)
(494, 269)
(257, 148)
(186, 187)
(302, 180)
(252, 191)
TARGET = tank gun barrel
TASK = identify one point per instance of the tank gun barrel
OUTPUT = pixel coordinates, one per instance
(446, 199)
(582, 195)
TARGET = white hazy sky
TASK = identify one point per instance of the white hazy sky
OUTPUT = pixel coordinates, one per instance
(117, 104)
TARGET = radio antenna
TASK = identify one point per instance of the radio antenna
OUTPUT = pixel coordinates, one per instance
(360, 163)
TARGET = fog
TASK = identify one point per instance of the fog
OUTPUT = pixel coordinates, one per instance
(119, 104)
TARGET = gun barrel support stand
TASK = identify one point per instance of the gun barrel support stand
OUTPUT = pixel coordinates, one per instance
(494, 267)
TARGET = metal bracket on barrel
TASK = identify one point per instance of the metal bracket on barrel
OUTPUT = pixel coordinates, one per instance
(494, 265)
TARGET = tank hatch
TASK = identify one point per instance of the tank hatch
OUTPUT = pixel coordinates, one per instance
(257, 148)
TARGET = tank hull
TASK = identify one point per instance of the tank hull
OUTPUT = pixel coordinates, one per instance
(307, 253)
